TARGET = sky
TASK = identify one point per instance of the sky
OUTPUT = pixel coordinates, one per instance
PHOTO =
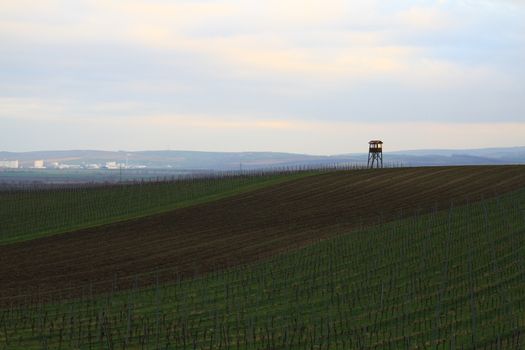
(305, 76)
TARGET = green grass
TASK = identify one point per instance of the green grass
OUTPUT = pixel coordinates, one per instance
(30, 214)
(446, 280)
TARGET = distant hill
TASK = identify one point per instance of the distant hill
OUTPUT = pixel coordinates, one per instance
(486, 156)
(256, 160)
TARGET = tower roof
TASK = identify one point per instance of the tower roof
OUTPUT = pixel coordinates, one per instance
(376, 142)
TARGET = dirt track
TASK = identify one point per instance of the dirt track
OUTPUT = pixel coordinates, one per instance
(239, 229)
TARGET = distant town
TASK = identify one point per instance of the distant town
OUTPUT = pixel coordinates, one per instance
(41, 164)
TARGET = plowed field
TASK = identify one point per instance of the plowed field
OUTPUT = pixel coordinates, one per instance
(238, 229)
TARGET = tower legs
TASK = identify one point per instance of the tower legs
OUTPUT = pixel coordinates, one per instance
(376, 158)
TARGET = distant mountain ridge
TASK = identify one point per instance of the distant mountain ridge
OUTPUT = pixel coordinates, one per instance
(256, 160)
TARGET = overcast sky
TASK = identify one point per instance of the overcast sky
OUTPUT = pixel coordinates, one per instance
(310, 76)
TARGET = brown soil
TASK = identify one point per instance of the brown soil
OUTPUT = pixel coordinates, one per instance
(237, 230)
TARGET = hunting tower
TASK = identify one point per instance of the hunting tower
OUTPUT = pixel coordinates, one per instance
(375, 154)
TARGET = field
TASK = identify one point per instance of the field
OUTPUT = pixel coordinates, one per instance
(42, 211)
(391, 259)
(27, 177)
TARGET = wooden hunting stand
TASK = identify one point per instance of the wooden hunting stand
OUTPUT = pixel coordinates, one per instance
(375, 153)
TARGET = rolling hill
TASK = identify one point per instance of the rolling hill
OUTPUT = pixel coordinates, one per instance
(43, 211)
(392, 259)
(243, 228)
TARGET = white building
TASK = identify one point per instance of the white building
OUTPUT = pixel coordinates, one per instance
(39, 164)
(92, 166)
(112, 165)
(9, 164)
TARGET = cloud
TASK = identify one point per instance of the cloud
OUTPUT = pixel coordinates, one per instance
(250, 133)
(278, 37)
(275, 67)
(427, 18)
(21, 108)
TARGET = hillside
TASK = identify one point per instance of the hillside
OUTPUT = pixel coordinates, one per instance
(48, 210)
(450, 279)
(240, 229)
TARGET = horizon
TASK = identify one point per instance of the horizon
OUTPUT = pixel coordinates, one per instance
(276, 152)
(315, 77)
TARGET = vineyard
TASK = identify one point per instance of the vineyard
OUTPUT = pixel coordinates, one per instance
(37, 212)
(430, 258)
(448, 279)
